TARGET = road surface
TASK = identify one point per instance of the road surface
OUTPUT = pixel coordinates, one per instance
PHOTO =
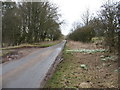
(29, 71)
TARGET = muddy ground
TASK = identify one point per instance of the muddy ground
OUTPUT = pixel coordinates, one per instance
(97, 74)
(16, 54)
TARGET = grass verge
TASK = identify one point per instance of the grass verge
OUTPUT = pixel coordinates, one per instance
(8, 50)
(59, 78)
(29, 46)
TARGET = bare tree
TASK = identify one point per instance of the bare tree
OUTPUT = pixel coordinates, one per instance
(76, 25)
(109, 21)
(86, 17)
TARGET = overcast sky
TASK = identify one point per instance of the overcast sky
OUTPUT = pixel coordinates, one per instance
(71, 10)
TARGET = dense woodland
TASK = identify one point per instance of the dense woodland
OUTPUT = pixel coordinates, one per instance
(29, 22)
(105, 25)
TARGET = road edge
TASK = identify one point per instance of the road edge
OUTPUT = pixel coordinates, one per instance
(52, 68)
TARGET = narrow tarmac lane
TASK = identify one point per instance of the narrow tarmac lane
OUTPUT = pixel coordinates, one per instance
(29, 71)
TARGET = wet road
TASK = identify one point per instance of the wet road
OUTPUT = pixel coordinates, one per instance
(29, 71)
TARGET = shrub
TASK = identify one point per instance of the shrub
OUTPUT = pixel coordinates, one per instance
(83, 34)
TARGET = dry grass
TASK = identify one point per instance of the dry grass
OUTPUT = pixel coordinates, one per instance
(99, 74)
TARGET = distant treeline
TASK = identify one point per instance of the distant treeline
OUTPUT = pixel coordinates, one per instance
(29, 22)
(106, 24)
